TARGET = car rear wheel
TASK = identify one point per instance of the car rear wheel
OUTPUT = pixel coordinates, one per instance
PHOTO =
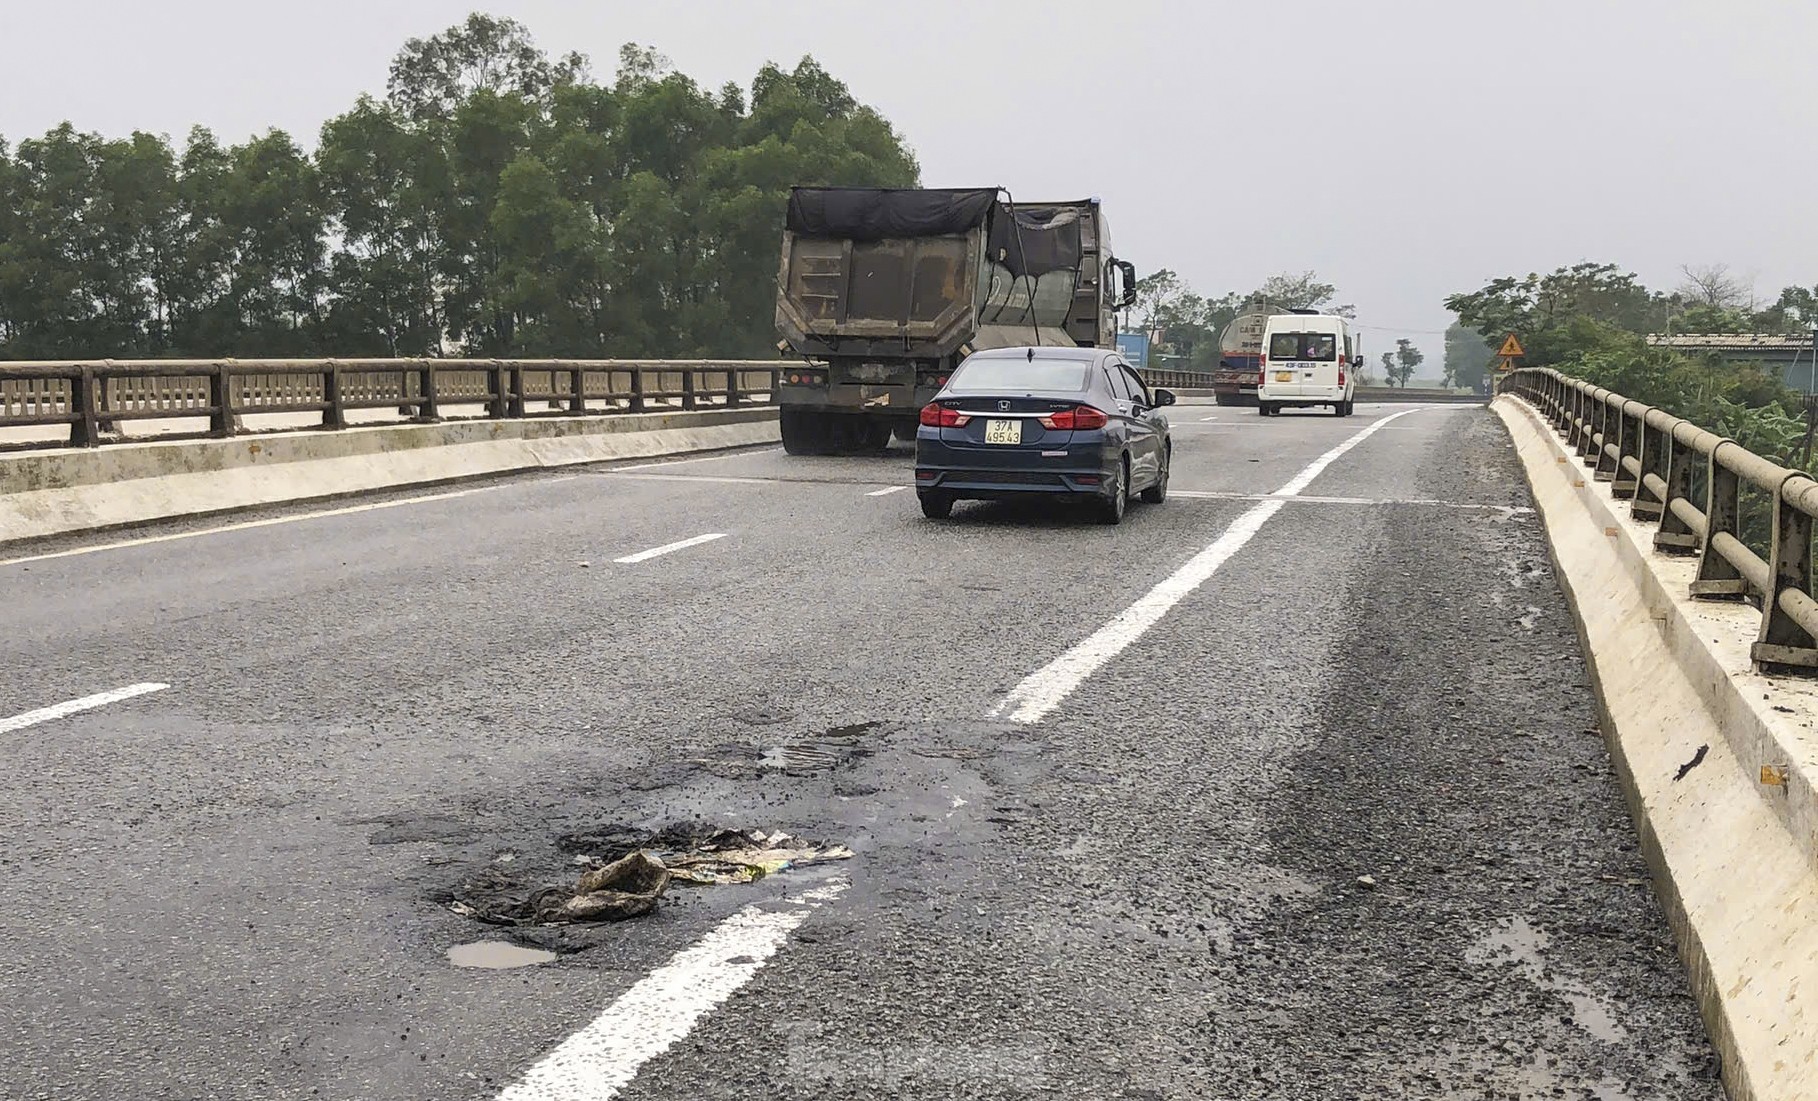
(937, 506)
(1158, 492)
(1263, 409)
(1114, 504)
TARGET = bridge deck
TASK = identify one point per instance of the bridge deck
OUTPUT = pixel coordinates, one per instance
(1153, 891)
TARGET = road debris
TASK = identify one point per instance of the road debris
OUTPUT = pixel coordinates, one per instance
(628, 869)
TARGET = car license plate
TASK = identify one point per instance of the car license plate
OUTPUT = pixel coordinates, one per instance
(1003, 431)
(1284, 376)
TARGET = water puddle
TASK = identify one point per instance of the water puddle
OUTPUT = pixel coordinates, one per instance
(497, 955)
(1518, 942)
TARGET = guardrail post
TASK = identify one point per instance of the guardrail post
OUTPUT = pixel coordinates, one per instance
(497, 391)
(776, 383)
(220, 396)
(84, 431)
(1784, 644)
(1608, 434)
(732, 387)
(429, 408)
(335, 416)
(1675, 536)
(687, 388)
(1653, 460)
(637, 390)
(1629, 443)
(577, 390)
(1717, 578)
(1589, 420)
(514, 407)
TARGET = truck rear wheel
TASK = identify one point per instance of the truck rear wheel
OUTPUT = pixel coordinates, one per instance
(804, 431)
(905, 431)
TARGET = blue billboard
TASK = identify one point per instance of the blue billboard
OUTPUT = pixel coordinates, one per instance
(1135, 348)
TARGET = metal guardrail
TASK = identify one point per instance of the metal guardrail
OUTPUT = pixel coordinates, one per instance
(93, 396)
(1659, 463)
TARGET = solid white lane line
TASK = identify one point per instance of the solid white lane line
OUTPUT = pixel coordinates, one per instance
(1313, 499)
(698, 459)
(1204, 419)
(601, 1059)
(886, 491)
(86, 703)
(668, 548)
(1044, 690)
(1318, 466)
(249, 524)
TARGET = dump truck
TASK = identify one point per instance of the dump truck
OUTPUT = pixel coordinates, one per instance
(883, 291)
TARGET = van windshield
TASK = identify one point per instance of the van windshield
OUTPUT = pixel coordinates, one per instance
(1319, 347)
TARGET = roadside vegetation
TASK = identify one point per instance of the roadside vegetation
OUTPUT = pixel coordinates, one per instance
(496, 201)
(1591, 321)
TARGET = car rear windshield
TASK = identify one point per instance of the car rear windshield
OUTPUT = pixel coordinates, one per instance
(1320, 347)
(1020, 375)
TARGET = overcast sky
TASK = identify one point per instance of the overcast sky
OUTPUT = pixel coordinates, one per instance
(1403, 149)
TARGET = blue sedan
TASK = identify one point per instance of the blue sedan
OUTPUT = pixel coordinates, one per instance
(1066, 422)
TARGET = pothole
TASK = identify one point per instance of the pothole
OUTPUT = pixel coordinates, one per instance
(619, 871)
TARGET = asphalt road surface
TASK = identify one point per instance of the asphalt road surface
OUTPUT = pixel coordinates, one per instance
(1114, 793)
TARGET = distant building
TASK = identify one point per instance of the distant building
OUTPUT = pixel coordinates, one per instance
(1791, 355)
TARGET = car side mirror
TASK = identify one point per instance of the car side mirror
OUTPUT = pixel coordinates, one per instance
(1357, 362)
(1164, 397)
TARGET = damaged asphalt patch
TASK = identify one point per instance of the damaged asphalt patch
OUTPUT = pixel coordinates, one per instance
(558, 870)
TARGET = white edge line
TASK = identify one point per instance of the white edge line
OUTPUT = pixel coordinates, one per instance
(668, 548)
(1044, 690)
(698, 459)
(661, 1008)
(86, 703)
(886, 491)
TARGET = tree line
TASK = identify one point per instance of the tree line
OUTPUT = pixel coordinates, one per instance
(496, 201)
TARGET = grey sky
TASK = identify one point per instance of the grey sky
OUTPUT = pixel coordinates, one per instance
(1404, 149)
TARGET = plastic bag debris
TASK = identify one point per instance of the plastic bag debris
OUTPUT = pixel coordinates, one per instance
(626, 888)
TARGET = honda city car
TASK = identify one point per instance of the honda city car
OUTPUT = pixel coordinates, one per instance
(1013, 423)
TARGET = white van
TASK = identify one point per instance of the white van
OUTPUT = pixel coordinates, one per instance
(1308, 359)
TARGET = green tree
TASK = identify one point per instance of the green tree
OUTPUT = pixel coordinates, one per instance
(1408, 358)
(495, 202)
(1539, 308)
(1302, 291)
(1468, 357)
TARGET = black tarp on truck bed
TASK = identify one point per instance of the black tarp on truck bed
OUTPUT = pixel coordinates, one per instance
(872, 214)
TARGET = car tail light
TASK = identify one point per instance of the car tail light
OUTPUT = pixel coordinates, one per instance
(1341, 376)
(939, 416)
(1077, 419)
(1086, 479)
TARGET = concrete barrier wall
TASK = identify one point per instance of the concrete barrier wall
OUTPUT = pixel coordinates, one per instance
(46, 493)
(1717, 763)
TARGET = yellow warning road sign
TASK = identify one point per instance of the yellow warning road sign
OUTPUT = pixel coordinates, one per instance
(1511, 348)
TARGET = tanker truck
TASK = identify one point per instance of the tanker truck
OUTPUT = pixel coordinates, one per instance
(883, 291)
(1239, 369)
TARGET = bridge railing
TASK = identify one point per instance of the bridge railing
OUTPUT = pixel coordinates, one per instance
(92, 397)
(1694, 486)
